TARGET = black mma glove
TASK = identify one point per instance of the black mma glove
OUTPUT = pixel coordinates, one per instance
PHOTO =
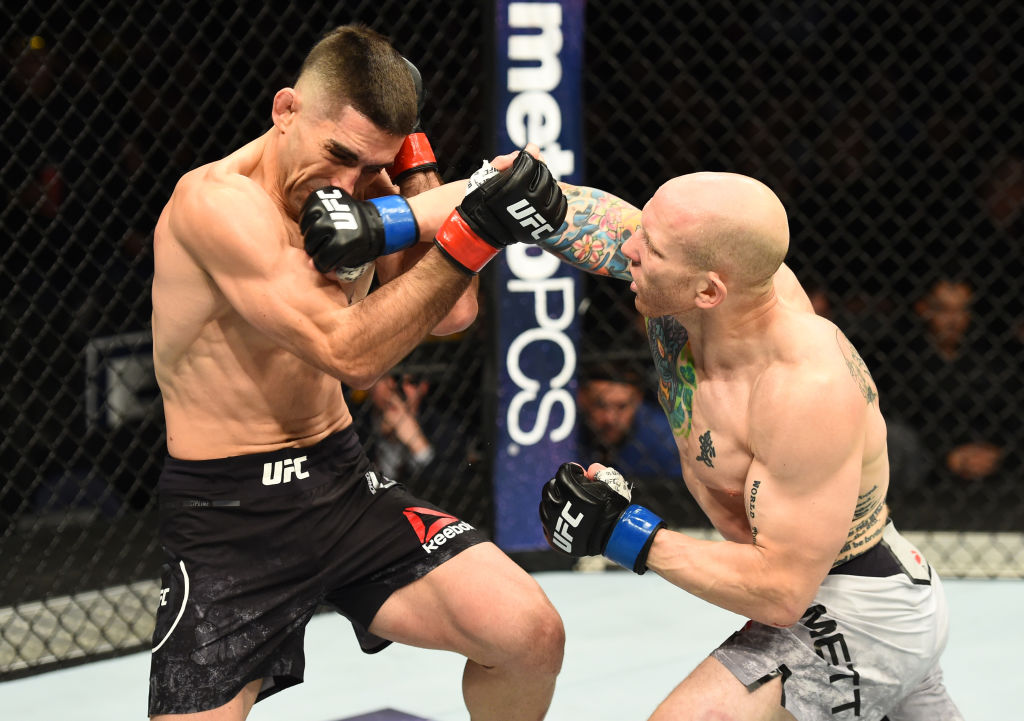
(522, 204)
(415, 155)
(344, 235)
(584, 517)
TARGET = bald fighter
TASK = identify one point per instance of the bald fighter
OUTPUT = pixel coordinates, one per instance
(268, 504)
(782, 444)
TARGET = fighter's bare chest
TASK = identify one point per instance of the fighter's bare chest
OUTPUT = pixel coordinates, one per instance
(707, 417)
(716, 452)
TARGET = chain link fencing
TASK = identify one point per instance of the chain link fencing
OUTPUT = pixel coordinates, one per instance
(891, 131)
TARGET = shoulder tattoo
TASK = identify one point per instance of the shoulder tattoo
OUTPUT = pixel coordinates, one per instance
(858, 369)
(677, 378)
(594, 230)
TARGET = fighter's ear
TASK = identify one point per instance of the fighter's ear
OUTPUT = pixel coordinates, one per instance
(286, 104)
(711, 291)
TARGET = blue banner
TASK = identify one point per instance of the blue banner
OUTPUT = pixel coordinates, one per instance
(539, 62)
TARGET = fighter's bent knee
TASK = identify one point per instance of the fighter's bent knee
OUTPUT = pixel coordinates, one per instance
(530, 636)
(545, 640)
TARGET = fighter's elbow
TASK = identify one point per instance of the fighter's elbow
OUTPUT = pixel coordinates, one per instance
(785, 608)
(460, 317)
(360, 381)
(358, 372)
(781, 617)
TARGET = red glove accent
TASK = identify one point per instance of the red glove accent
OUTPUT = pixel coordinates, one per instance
(464, 247)
(415, 154)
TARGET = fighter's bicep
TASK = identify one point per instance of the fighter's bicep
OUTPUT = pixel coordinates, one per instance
(801, 488)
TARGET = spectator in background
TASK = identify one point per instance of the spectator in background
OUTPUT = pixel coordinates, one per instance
(954, 386)
(409, 435)
(401, 446)
(973, 448)
(620, 428)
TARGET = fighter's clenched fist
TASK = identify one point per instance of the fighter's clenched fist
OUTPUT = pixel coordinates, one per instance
(343, 234)
(522, 204)
(589, 517)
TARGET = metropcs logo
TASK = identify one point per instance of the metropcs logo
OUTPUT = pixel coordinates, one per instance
(434, 528)
(533, 114)
(282, 471)
(533, 274)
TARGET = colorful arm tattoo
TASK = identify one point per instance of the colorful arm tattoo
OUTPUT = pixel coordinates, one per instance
(596, 226)
(677, 378)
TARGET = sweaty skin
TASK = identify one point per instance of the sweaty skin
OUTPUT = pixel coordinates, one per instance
(774, 413)
(250, 342)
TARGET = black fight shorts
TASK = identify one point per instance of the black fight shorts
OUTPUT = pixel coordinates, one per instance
(253, 544)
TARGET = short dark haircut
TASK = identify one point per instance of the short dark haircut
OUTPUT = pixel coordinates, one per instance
(608, 370)
(354, 65)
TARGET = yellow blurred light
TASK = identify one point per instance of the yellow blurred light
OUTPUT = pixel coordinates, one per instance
(37, 42)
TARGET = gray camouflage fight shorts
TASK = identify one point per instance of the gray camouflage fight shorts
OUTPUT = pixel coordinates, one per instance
(867, 648)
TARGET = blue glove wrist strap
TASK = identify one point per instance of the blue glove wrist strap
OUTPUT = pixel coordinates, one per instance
(400, 229)
(630, 535)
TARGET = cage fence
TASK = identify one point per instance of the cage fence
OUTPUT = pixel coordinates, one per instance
(891, 131)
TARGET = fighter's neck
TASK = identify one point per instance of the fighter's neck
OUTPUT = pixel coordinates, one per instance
(729, 337)
(258, 160)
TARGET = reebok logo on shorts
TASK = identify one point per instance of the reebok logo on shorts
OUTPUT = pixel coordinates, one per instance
(434, 528)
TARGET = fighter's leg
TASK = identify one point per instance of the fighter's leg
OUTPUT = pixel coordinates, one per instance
(711, 691)
(482, 605)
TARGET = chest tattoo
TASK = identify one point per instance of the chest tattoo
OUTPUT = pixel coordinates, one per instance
(677, 379)
(707, 450)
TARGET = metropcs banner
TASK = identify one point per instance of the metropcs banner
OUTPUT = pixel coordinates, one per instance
(539, 62)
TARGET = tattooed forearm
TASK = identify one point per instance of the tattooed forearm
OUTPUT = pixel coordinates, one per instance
(596, 226)
(858, 369)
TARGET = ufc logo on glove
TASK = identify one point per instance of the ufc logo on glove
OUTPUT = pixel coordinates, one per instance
(528, 217)
(606, 523)
(339, 213)
(561, 537)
